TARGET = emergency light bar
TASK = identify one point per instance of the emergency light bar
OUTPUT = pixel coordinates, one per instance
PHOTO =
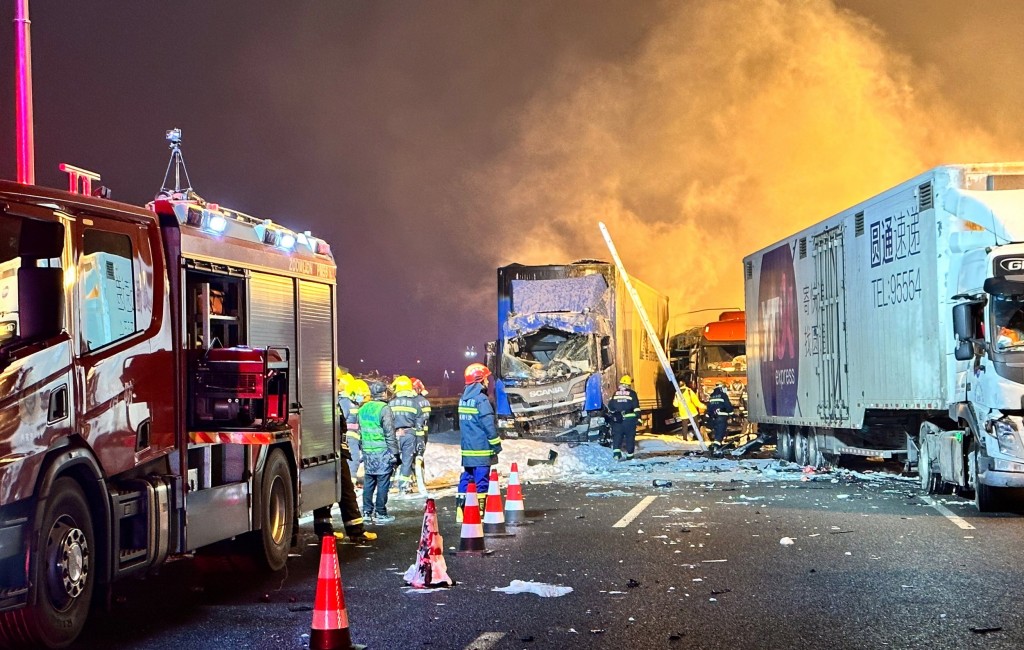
(214, 219)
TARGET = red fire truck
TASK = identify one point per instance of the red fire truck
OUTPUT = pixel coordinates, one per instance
(166, 382)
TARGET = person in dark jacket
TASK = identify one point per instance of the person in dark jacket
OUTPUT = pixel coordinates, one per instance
(624, 409)
(380, 454)
(405, 407)
(719, 410)
(351, 516)
(480, 442)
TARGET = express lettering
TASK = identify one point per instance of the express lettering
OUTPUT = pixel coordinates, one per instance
(777, 328)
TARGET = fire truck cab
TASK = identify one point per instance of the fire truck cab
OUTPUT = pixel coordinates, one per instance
(166, 382)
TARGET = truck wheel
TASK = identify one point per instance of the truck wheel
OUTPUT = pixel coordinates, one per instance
(278, 515)
(784, 445)
(800, 449)
(986, 498)
(63, 575)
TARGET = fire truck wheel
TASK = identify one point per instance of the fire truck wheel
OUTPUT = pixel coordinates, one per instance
(278, 514)
(64, 568)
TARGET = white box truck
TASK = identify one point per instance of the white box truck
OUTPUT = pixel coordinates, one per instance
(893, 329)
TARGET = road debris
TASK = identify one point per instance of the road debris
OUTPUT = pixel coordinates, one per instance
(787, 541)
(541, 589)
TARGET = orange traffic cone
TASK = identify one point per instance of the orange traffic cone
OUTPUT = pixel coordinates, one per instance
(472, 542)
(430, 569)
(494, 517)
(515, 510)
(330, 622)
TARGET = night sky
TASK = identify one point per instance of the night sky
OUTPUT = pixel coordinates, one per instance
(431, 142)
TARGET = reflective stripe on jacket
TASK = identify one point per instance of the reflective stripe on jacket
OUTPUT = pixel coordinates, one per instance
(625, 401)
(424, 404)
(480, 441)
(406, 410)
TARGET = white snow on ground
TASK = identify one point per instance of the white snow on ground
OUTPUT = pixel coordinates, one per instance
(657, 457)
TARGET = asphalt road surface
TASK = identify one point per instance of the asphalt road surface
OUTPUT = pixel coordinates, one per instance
(699, 565)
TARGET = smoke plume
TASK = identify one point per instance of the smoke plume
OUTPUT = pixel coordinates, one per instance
(735, 124)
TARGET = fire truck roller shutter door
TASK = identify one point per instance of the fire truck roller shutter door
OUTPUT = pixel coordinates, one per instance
(316, 369)
(271, 319)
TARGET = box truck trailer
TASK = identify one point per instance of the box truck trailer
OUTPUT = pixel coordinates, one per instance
(892, 329)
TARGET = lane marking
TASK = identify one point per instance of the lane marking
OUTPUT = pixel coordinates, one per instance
(485, 641)
(634, 513)
(959, 522)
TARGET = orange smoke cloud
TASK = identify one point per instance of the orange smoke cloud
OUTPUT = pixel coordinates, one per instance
(736, 124)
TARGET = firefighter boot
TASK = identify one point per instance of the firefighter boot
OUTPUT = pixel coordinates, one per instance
(481, 498)
(460, 503)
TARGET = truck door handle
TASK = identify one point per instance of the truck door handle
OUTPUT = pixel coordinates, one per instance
(58, 406)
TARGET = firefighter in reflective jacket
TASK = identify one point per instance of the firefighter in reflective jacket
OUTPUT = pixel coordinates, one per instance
(358, 392)
(380, 454)
(480, 442)
(719, 410)
(624, 409)
(351, 516)
(421, 434)
(405, 407)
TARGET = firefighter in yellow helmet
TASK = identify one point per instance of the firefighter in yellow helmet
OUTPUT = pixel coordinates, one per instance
(409, 421)
(351, 515)
(623, 410)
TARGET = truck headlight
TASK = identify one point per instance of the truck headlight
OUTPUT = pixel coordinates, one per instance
(1005, 431)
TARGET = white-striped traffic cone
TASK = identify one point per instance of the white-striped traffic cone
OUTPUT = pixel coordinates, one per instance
(472, 542)
(494, 516)
(329, 630)
(515, 510)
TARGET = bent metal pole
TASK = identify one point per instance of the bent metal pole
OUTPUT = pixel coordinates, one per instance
(23, 95)
(651, 334)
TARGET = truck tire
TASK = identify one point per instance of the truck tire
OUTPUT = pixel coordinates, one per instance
(278, 515)
(986, 498)
(63, 575)
(800, 448)
(814, 456)
(784, 444)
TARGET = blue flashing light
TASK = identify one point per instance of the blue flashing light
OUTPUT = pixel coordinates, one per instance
(217, 223)
(287, 241)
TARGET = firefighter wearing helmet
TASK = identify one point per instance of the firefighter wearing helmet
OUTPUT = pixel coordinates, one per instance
(623, 411)
(719, 409)
(351, 515)
(421, 434)
(358, 392)
(480, 442)
(409, 420)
